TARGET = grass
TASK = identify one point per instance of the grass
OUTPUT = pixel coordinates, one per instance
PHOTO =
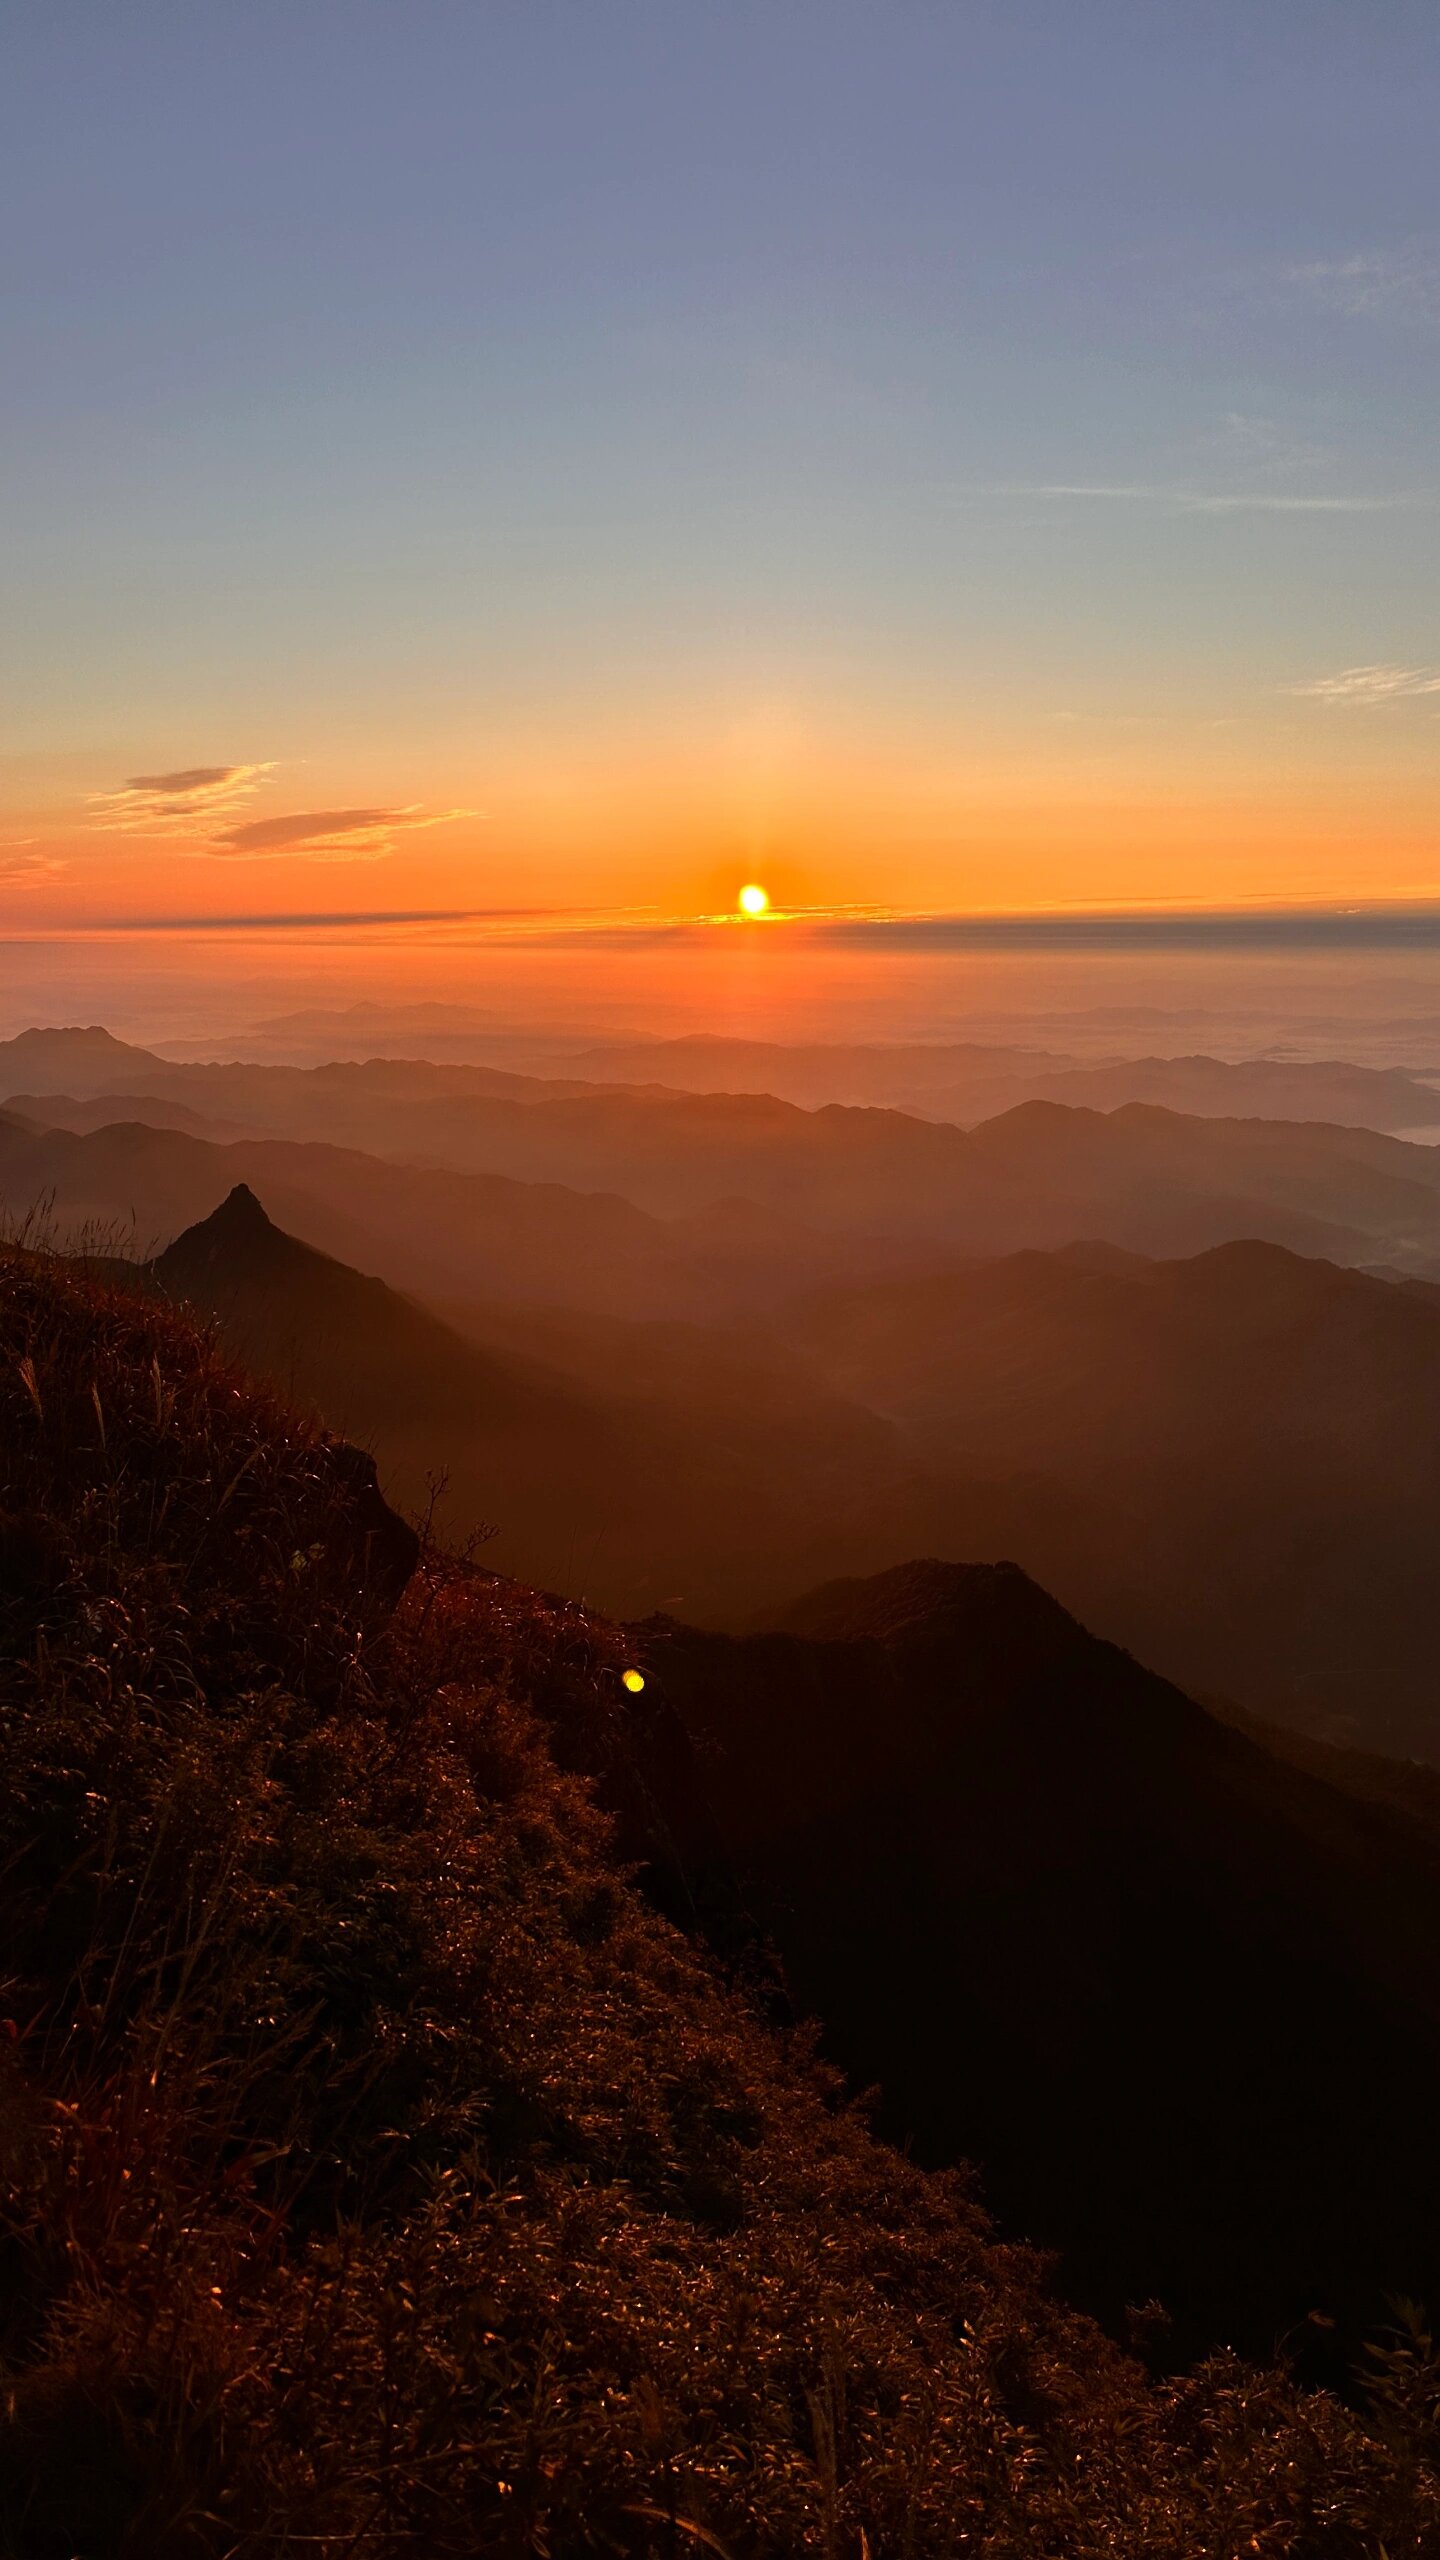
(381, 2174)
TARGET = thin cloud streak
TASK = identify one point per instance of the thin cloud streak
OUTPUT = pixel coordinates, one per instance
(17, 862)
(176, 803)
(1206, 501)
(268, 921)
(1241, 929)
(1362, 687)
(330, 835)
(1404, 283)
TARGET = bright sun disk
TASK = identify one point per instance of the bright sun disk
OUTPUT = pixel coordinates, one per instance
(753, 899)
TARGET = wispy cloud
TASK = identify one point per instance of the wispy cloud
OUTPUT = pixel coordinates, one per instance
(201, 805)
(1357, 687)
(19, 862)
(288, 920)
(1403, 283)
(180, 803)
(1219, 502)
(1248, 442)
(330, 835)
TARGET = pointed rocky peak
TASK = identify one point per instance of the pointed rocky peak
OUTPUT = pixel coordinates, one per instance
(240, 1213)
(238, 1240)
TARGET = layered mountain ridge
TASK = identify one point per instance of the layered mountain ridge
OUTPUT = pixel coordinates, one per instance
(1226, 1463)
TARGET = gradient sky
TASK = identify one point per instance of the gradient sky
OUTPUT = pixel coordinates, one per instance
(929, 456)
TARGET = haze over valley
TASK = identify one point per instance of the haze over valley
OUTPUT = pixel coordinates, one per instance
(698, 1349)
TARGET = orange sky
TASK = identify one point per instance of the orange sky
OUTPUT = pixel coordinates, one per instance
(1316, 808)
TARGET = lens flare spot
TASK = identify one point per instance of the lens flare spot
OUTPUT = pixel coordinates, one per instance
(754, 901)
(633, 1681)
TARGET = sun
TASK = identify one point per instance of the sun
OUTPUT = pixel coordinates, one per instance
(754, 901)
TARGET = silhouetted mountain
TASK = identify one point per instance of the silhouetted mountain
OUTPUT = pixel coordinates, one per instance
(445, 1234)
(109, 1110)
(1182, 2002)
(1325, 1089)
(318, 1033)
(259, 1099)
(966, 1081)
(89, 1060)
(1249, 1423)
(957, 1079)
(1252, 1423)
(1240, 1448)
(710, 1483)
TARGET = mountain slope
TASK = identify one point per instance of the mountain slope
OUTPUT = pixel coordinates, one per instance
(1180, 2001)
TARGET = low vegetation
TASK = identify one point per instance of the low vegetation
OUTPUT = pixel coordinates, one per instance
(381, 2174)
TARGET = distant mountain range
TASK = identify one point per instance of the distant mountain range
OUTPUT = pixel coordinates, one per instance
(1227, 1463)
(1180, 2000)
(963, 1082)
(444, 1234)
(1042, 1175)
(966, 1081)
(849, 1336)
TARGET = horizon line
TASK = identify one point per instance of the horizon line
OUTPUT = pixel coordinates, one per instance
(1381, 923)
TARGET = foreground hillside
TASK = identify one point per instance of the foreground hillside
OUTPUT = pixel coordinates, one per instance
(381, 2175)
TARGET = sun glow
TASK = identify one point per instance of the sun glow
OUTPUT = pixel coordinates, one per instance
(754, 901)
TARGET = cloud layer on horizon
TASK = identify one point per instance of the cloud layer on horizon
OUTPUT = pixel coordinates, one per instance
(1397, 926)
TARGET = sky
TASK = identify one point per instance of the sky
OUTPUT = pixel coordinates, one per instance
(559, 463)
